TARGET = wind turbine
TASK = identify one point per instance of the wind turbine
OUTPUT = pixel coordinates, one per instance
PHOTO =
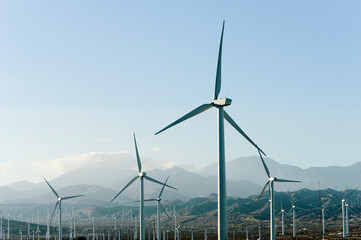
(270, 184)
(58, 204)
(282, 212)
(348, 208)
(141, 176)
(47, 237)
(219, 103)
(175, 224)
(343, 207)
(293, 209)
(294, 220)
(159, 205)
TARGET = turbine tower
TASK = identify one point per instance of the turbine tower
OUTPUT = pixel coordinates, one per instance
(141, 176)
(294, 220)
(159, 205)
(58, 204)
(323, 223)
(47, 237)
(346, 208)
(343, 208)
(270, 184)
(219, 103)
(293, 209)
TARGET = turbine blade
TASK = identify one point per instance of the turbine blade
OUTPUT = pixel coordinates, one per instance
(161, 191)
(288, 213)
(196, 111)
(137, 153)
(334, 195)
(264, 188)
(56, 194)
(126, 186)
(234, 124)
(219, 68)
(285, 180)
(281, 204)
(70, 197)
(161, 205)
(264, 165)
(52, 216)
(349, 208)
(350, 193)
(156, 181)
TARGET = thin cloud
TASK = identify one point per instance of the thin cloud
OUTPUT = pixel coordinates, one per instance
(156, 149)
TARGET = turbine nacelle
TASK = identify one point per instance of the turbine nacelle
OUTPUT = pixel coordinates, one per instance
(142, 174)
(59, 199)
(222, 102)
(271, 179)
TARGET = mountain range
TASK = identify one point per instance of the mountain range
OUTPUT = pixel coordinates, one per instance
(245, 176)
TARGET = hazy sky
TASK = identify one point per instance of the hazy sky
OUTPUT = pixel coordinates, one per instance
(78, 77)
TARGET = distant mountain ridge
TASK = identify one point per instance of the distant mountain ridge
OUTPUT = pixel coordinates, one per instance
(245, 175)
(251, 168)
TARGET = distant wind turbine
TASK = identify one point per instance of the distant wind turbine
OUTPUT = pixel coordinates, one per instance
(159, 205)
(219, 103)
(293, 209)
(58, 204)
(141, 176)
(282, 212)
(344, 209)
(270, 184)
(47, 237)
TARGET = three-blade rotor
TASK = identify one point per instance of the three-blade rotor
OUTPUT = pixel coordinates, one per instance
(270, 179)
(59, 199)
(141, 174)
(159, 198)
(215, 103)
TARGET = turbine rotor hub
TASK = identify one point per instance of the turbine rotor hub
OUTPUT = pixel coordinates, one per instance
(222, 102)
(59, 199)
(142, 174)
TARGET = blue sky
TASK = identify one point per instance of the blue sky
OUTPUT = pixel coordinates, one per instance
(80, 76)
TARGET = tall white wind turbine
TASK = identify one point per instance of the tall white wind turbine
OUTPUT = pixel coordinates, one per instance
(159, 205)
(58, 204)
(270, 184)
(141, 176)
(343, 208)
(219, 103)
